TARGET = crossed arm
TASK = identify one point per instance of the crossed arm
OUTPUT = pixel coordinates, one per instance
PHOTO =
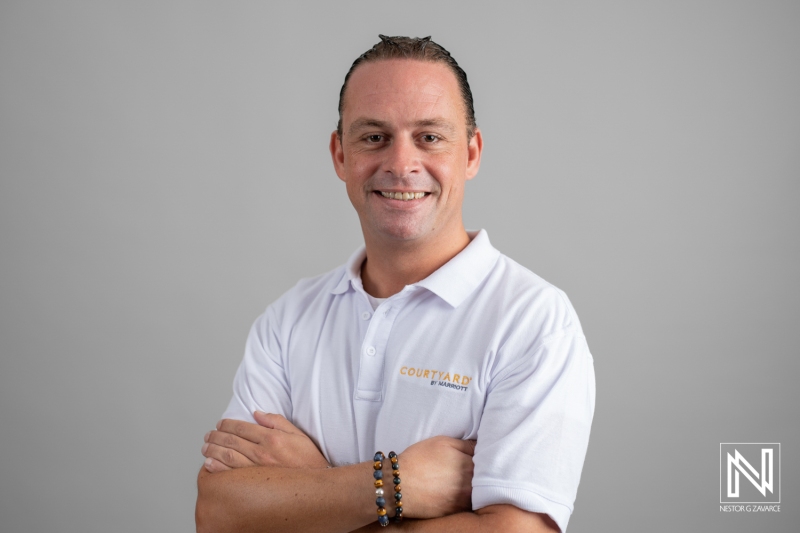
(271, 477)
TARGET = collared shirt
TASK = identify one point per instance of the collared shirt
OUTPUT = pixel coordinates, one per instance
(480, 349)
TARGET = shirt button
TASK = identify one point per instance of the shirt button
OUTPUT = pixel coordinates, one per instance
(365, 315)
(371, 350)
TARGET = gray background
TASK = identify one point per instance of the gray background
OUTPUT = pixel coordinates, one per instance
(164, 176)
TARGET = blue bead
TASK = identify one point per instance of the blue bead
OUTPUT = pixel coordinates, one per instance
(380, 501)
(383, 520)
(398, 496)
(396, 481)
(378, 457)
(392, 454)
(377, 474)
(396, 466)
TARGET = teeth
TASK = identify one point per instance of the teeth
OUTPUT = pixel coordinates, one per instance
(403, 195)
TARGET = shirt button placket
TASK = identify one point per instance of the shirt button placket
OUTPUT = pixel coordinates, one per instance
(373, 351)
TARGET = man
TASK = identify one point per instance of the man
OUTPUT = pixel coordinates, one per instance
(428, 342)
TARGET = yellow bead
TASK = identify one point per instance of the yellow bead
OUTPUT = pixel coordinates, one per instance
(397, 488)
(381, 511)
(396, 473)
(394, 460)
(398, 504)
(378, 465)
(379, 483)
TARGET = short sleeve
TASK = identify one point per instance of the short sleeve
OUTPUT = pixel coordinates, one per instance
(534, 432)
(260, 382)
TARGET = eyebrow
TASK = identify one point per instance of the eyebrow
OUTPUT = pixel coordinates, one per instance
(364, 123)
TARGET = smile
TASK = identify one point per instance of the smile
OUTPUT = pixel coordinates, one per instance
(402, 195)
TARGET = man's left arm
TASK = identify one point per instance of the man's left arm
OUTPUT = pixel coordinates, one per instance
(534, 430)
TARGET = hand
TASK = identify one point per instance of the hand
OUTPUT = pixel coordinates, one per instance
(436, 476)
(274, 441)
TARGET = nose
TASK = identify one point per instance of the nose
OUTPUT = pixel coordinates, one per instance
(402, 158)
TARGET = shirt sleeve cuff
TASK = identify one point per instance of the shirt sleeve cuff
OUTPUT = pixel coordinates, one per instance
(485, 495)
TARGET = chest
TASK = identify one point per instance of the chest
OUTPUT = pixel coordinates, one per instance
(365, 380)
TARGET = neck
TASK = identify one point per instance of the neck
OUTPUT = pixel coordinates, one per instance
(391, 265)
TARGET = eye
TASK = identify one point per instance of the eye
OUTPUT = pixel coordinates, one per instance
(374, 138)
(429, 138)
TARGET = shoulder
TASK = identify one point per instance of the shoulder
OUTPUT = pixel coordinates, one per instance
(525, 297)
(308, 298)
(307, 294)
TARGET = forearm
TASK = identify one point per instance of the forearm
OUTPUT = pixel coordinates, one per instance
(506, 518)
(261, 499)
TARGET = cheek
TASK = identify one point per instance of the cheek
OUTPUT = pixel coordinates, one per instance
(449, 175)
(360, 169)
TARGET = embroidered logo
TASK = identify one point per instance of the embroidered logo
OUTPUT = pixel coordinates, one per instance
(440, 378)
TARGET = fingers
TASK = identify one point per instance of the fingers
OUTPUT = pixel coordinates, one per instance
(464, 446)
(212, 465)
(227, 456)
(274, 421)
(473, 443)
(245, 430)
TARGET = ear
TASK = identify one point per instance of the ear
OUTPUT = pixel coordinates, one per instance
(337, 155)
(474, 150)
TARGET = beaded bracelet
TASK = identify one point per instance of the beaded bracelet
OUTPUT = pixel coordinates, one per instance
(380, 501)
(398, 497)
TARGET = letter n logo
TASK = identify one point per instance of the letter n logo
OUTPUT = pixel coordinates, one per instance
(749, 472)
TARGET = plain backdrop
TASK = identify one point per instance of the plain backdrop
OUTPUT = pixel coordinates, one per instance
(164, 176)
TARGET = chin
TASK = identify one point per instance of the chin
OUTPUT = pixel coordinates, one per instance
(401, 232)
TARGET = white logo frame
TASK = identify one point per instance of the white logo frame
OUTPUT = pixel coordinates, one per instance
(735, 465)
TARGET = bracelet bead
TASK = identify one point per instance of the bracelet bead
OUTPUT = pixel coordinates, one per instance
(398, 510)
(380, 501)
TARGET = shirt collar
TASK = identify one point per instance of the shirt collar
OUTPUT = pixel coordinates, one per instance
(453, 282)
(352, 271)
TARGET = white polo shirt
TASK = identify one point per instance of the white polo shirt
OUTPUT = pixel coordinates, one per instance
(481, 349)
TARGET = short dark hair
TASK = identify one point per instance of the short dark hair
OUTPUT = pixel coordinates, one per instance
(421, 49)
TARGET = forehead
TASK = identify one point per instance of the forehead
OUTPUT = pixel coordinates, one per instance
(403, 90)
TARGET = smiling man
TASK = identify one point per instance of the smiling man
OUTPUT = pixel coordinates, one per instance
(428, 342)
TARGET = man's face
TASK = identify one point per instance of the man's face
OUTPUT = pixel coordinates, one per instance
(404, 135)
